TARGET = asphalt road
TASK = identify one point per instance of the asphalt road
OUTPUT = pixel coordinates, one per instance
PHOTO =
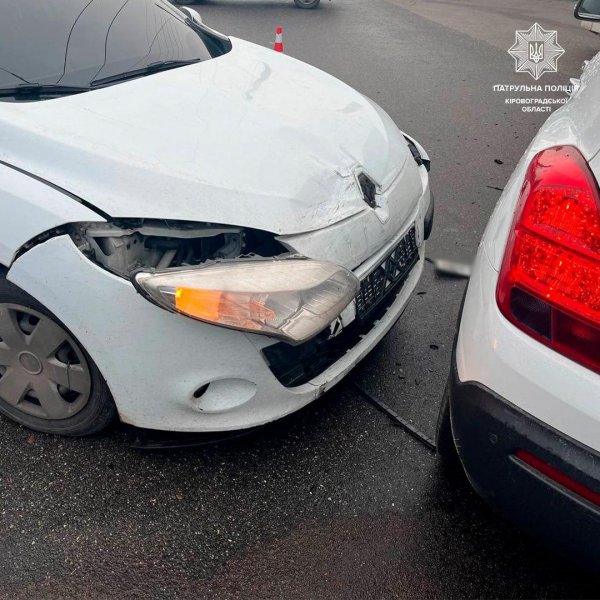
(334, 502)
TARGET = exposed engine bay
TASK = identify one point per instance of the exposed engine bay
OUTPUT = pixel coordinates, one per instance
(126, 245)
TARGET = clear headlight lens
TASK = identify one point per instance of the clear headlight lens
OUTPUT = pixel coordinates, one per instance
(293, 299)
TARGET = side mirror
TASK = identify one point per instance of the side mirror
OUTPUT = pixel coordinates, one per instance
(588, 10)
(192, 14)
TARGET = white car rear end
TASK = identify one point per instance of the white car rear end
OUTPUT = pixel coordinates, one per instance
(523, 407)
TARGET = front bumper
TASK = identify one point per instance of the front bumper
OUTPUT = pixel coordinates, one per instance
(157, 363)
(488, 431)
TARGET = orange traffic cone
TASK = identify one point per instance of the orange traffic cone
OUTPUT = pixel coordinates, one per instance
(278, 47)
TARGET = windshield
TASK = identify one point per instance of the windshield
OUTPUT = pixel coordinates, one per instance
(76, 42)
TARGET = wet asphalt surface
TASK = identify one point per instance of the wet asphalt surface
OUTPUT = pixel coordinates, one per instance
(334, 502)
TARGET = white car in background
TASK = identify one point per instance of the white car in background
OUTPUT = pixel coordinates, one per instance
(196, 233)
(523, 402)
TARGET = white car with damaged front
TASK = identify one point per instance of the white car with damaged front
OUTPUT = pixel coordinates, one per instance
(204, 242)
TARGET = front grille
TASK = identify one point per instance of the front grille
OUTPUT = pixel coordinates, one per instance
(296, 365)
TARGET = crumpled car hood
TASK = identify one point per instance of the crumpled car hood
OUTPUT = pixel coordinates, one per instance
(252, 138)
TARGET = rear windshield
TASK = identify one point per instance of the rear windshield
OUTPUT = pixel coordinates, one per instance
(76, 42)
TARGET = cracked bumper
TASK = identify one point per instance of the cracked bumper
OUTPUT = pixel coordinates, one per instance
(154, 361)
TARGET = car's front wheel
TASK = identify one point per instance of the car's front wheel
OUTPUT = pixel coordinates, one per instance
(307, 3)
(47, 380)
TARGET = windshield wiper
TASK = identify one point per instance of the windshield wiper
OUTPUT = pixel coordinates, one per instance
(36, 90)
(155, 67)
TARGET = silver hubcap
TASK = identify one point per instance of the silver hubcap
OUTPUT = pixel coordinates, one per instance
(43, 372)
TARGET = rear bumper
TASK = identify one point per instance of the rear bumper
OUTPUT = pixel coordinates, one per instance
(488, 431)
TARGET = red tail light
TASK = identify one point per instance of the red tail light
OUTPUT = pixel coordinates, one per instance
(549, 284)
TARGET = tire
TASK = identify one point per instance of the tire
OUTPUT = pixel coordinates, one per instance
(444, 438)
(307, 3)
(48, 382)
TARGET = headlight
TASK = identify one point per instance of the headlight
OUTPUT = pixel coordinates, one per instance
(293, 299)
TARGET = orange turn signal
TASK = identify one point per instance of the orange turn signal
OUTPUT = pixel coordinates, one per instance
(239, 310)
